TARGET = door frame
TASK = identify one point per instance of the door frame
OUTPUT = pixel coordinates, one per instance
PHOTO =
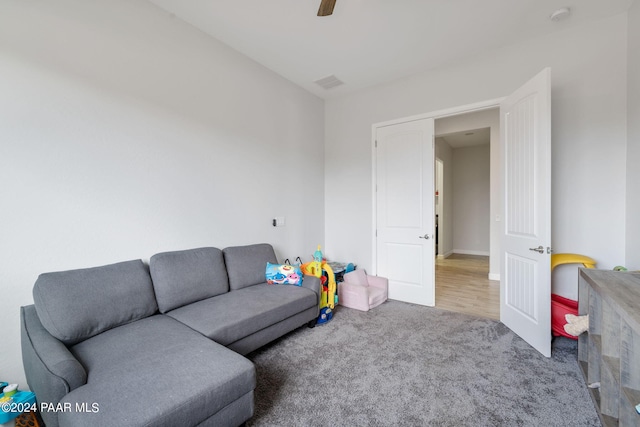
(439, 171)
(438, 114)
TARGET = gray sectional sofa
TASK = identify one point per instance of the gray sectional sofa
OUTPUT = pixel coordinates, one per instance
(157, 345)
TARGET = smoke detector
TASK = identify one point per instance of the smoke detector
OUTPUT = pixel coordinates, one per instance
(560, 14)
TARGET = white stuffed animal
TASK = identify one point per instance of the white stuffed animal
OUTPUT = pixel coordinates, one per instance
(576, 324)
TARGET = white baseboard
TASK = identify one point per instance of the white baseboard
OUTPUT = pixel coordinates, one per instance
(445, 255)
(466, 252)
(493, 276)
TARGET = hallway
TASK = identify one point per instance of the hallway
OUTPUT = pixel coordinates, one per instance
(462, 286)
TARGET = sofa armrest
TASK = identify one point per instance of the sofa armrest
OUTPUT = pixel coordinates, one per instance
(313, 283)
(51, 370)
(378, 282)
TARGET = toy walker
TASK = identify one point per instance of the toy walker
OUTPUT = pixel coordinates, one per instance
(328, 297)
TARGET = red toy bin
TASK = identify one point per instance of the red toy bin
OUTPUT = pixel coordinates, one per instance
(559, 307)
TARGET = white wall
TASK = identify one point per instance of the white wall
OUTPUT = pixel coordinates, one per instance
(445, 222)
(125, 132)
(471, 200)
(588, 66)
(633, 144)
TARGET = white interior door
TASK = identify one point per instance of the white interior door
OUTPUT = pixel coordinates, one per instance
(525, 294)
(405, 220)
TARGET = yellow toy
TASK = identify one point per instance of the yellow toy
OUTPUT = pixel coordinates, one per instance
(315, 268)
(331, 287)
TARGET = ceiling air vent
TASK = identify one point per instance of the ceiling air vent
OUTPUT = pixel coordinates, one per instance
(329, 82)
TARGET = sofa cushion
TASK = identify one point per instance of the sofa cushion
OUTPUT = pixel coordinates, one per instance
(183, 277)
(246, 264)
(238, 314)
(156, 372)
(77, 304)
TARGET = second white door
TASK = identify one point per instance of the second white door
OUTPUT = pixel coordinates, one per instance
(405, 223)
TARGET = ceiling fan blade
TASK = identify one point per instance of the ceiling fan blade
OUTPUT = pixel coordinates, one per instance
(326, 7)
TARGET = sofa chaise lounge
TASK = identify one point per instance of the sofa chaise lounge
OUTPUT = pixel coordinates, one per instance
(157, 345)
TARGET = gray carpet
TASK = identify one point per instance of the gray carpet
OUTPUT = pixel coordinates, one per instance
(402, 364)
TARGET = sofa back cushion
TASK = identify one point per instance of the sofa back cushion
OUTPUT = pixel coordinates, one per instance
(78, 304)
(183, 277)
(246, 264)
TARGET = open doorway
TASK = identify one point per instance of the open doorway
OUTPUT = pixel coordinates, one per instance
(520, 205)
(463, 211)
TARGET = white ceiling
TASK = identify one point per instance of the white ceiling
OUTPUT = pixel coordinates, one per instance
(467, 138)
(368, 42)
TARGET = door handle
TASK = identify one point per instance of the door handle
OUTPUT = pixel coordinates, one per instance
(426, 236)
(539, 249)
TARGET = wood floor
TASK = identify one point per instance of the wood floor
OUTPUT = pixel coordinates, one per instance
(462, 286)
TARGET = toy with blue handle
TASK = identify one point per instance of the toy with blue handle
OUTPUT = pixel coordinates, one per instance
(16, 399)
(327, 293)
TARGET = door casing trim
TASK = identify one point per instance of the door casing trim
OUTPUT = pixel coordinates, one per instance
(438, 114)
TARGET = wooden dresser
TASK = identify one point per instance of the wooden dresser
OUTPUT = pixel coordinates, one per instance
(610, 352)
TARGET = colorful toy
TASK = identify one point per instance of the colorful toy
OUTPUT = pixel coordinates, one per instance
(14, 402)
(10, 390)
(314, 268)
(561, 306)
(321, 269)
(331, 288)
(326, 314)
